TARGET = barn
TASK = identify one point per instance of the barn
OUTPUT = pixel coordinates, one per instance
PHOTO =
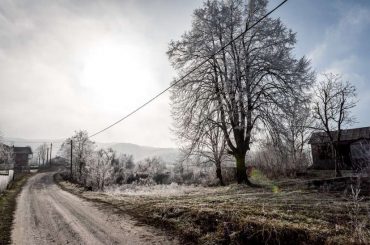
(354, 147)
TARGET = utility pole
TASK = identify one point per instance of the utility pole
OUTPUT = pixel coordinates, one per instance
(51, 148)
(47, 156)
(71, 156)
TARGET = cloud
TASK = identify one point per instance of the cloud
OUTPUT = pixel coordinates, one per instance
(344, 50)
(70, 65)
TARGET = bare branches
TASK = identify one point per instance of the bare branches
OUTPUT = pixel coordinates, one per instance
(333, 102)
(236, 89)
(332, 106)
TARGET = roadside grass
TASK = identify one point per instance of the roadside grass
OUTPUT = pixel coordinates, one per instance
(8, 205)
(239, 214)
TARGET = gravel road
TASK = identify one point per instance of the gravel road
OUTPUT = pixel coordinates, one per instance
(46, 214)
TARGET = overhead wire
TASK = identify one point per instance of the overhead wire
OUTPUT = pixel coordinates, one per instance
(189, 72)
(176, 81)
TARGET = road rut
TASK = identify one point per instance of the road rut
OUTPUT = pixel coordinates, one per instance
(46, 214)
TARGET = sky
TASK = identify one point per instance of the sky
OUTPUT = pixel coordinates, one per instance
(68, 65)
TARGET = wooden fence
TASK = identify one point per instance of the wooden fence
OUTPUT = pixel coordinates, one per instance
(5, 179)
(5, 168)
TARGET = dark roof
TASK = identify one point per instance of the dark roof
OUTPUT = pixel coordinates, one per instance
(347, 135)
(22, 150)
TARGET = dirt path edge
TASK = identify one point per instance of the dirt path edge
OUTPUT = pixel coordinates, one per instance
(158, 223)
(8, 204)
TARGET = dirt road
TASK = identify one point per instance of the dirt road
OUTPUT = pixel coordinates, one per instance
(46, 214)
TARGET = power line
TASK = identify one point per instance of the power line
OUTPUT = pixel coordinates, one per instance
(189, 72)
(182, 78)
(30, 141)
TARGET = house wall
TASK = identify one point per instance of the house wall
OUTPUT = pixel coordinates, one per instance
(21, 162)
(323, 158)
(360, 153)
(21, 159)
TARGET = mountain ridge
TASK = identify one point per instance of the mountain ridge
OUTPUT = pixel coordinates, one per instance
(139, 152)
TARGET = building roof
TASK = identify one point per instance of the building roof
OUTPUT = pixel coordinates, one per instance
(22, 150)
(347, 135)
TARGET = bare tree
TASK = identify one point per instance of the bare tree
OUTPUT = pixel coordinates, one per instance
(41, 153)
(207, 144)
(245, 82)
(333, 102)
(83, 149)
(6, 154)
(289, 131)
(100, 167)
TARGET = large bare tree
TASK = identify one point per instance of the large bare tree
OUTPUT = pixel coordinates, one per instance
(245, 82)
(333, 102)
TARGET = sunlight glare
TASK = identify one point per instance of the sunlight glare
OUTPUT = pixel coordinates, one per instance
(117, 75)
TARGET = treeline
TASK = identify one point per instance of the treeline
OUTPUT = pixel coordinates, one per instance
(97, 168)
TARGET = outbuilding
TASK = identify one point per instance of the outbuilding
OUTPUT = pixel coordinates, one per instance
(354, 147)
(22, 155)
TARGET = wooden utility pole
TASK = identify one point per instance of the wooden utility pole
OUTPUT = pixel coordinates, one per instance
(51, 148)
(71, 156)
(47, 156)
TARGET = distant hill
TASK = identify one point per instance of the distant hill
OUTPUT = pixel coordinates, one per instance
(139, 152)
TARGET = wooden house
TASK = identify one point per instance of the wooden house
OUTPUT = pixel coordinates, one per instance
(22, 155)
(354, 147)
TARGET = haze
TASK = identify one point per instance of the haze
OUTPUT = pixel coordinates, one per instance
(69, 65)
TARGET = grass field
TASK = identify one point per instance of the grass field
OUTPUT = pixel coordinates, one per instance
(7, 207)
(279, 214)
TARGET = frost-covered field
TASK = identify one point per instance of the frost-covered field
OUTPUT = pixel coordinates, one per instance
(210, 215)
(5, 179)
(158, 190)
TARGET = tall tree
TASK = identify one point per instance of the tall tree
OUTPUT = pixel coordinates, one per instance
(245, 82)
(83, 149)
(289, 131)
(41, 152)
(207, 143)
(333, 102)
(100, 168)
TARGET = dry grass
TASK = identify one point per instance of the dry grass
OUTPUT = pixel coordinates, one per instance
(239, 214)
(8, 205)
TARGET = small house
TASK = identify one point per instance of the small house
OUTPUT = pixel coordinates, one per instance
(354, 149)
(22, 155)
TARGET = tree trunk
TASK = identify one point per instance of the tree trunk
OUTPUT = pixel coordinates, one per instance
(241, 173)
(219, 174)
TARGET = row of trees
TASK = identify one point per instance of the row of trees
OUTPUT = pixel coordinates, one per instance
(42, 155)
(254, 87)
(97, 168)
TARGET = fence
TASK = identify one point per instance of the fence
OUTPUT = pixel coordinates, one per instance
(6, 176)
